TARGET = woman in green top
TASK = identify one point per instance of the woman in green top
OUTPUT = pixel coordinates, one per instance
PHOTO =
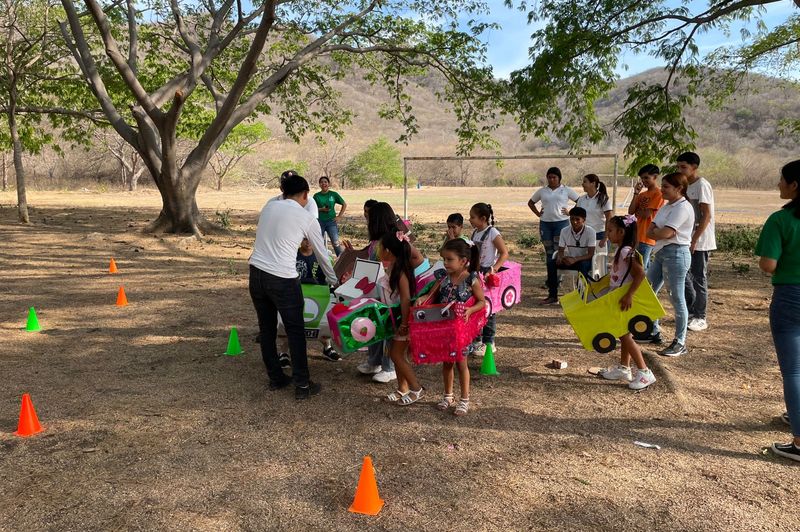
(779, 249)
(326, 200)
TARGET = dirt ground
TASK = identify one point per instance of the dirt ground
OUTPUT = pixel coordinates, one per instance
(149, 427)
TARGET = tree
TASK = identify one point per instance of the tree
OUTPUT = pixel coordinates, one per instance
(130, 164)
(242, 141)
(577, 51)
(279, 57)
(379, 164)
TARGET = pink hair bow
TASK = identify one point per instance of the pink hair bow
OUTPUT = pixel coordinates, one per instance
(402, 237)
(628, 219)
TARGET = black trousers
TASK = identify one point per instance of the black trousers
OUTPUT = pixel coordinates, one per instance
(272, 295)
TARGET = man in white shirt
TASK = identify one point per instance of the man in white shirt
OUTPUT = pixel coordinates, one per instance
(576, 243)
(701, 196)
(275, 285)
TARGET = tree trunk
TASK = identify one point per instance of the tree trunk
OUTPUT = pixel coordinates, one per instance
(179, 212)
(135, 179)
(5, 177)
(22, 200)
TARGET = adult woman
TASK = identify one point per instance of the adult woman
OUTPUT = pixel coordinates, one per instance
(672, 231)
(555, 197)
(326, 200)
(597, 206)
(382, 220)
(779, 249)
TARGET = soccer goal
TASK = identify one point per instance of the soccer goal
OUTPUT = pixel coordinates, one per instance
(560, 156)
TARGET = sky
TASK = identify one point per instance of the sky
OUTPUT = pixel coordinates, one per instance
(508, 48)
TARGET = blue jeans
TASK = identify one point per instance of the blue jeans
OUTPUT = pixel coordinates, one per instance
(378, 355)
(645, 250)
(549, 233)
(332, 231)
(697, 285)
(784, 321)
(670, 264)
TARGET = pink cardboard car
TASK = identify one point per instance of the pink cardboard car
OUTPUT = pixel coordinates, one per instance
(440, 334)
(506, 290)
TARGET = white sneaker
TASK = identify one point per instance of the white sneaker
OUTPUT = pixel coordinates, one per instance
(479, 350)
(697, 325)
(617, 372)
(384, 376)
(642, 380)
(367, 369)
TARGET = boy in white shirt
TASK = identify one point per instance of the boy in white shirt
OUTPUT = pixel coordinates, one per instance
(576, 243)
(701, 196)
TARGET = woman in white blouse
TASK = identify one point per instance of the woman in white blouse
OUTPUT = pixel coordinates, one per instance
(672, 230)
(597, 206)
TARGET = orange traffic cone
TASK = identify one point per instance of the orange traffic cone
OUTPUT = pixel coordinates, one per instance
(112, 268)
(367, 500)
(122, 299)
(28, 422)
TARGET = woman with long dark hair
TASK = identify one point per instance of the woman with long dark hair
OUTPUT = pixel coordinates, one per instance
(597, 206)
(779, 249)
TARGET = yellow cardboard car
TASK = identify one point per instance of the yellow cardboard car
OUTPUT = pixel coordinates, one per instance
(594, 313)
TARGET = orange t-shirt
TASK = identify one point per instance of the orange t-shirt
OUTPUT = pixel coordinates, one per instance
(647, 199)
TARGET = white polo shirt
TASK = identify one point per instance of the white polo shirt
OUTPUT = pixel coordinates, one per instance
(282, 226)
(595, 214)
(701, 192)
(577, 244)
(553, 201)
(678, 216)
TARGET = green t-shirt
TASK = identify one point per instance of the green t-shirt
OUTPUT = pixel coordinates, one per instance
(780, 240)
(329, 200)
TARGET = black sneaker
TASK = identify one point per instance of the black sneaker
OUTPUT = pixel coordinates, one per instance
(330, 354)
(304, 392)
(281, 383)
(787, 450)
(285, 360)
(654, 338)
(785, 418)
(675, 349)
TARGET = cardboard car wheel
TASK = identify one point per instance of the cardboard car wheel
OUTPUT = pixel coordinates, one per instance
(488, 307)
(509, 297)
(604, 342)
(640, 327)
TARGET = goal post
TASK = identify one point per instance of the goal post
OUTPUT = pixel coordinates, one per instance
(508, 158)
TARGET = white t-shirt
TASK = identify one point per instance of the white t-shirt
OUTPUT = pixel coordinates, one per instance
(678, 216)
(488, 251)
(553, 201)
(701, 192)
(282, 226)
(595, 214)
(620, 268)
(577, 244)
(311, 206)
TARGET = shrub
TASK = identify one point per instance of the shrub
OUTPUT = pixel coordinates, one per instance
(224, 218)
(740, 239)
(528, 240)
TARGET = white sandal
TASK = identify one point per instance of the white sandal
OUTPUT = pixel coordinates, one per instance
(447, 401)
(462, 408)
(396, 396)
(411, 397)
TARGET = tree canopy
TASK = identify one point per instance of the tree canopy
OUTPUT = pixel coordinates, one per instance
(579, 48)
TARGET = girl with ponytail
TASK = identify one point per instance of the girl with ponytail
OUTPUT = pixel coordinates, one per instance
(597, 205)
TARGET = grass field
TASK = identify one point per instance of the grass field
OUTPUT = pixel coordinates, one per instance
(148, 427)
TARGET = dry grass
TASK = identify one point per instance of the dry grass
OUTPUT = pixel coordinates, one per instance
(148, 427)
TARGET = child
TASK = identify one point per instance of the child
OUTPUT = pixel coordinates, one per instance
(576, 244)
(493, 253)
(455, 224)
(398, 286)
(458, 282)
(310, 273)
(627, 269)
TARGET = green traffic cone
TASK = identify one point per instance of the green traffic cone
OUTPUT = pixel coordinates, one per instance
(233, 343)
(33, 321)
(488, 367)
